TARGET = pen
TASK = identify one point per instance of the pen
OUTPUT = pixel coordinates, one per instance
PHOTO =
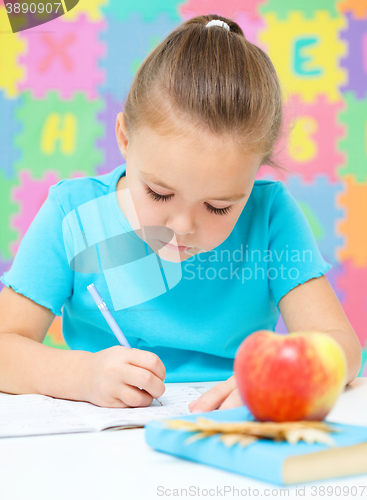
(109, 318)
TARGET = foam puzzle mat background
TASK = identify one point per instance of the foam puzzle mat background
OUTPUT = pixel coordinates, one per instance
(60, 92)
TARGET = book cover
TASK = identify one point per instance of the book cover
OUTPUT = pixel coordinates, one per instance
(279, 462)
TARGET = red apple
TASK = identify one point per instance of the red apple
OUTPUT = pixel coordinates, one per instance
(290, 377)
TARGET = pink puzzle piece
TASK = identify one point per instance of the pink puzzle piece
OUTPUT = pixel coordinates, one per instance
(353, 282)
(251, 26)
(30, 194)
(323, 137)
(64, 59)
(230, 9)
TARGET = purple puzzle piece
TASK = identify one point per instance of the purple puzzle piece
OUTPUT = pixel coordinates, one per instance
(356, 60)
(112, 157)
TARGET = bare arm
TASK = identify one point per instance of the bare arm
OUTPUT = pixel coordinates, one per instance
(26, 365)
(116, 377)
(315, 306)
(310, 306)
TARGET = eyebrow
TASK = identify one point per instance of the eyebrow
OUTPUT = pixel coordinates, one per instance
(151, 177)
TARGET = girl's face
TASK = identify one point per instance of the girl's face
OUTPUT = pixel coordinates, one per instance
(192, 190)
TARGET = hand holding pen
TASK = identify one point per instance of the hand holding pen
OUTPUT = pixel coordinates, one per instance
(124, 377)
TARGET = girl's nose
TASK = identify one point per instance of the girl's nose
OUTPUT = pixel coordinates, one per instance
(181, 223)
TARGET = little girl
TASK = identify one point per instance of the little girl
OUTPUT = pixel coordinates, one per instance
(189, 251)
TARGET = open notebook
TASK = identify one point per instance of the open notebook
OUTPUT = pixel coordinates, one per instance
(34, 414)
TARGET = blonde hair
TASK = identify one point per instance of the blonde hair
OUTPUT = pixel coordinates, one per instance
(200, 80)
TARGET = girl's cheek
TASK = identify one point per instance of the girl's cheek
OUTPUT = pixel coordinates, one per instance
(150, 215)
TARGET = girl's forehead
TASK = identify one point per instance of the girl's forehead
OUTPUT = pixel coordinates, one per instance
(194, 146)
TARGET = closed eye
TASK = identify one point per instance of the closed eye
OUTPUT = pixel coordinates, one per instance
(160, 197)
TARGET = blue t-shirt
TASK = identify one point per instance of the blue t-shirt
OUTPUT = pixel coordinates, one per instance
(192, 314)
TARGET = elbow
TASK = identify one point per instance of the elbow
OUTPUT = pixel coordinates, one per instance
(356, 364)
(352, 348)
(354, 359)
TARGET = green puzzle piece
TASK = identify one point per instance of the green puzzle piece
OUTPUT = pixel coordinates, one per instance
(7, 208)
(312, 219)
(308, 8)
(149, 11)
(354, 143)
(364, 363)
(59, 135)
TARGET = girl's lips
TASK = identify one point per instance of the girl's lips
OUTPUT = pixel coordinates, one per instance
(174, 247)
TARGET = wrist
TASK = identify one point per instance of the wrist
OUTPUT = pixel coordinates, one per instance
(65, 374)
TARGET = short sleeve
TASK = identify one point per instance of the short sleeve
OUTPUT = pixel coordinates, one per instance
(293, 252)
(40, 270)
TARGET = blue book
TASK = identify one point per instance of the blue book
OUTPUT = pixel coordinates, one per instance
(277, 462)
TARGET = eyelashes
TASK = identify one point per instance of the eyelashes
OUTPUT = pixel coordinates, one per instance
(218, 211)
(160, 197)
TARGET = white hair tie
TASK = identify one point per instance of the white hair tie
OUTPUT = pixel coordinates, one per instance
(217, 22)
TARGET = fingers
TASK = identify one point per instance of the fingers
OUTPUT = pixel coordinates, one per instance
(233, 400)
(213, 398)
(147, 360)
(133, 397)
(141, 378)
(121, 377)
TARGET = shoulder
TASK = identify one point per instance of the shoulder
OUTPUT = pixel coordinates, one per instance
(268, 196)
(279, 209)
(71, 193)
(272, 206)
(268, 188)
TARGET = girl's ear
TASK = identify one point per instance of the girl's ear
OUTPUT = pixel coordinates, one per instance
(121, 134)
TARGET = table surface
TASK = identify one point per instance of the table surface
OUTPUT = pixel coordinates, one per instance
(119, 464)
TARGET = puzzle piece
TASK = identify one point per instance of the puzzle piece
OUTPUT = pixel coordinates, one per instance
(269, 173)
(358, 8)
(307, 9)
(9, 128)
(318, 201)
(333, 278)
(314, 222)
(30, 194)
(147, 11)
(91, 8)
(245, 15)
(11, 73)
(363, 370)
(306, 53)
(353, 281)
(251, 27)
(60, 135)
(124, 57)
(54, 336)
(108, 143)
(353, 227)
(354, 143)
(64, 59)
(356, 60)
(312, 144)
(280, 327)
(230, 10)
(7, 208)
(4, 267)
(311, 147)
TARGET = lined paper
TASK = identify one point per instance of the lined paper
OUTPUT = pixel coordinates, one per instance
(35, 414)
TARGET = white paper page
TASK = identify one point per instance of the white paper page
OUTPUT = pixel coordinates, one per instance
(34, 414)
(174, 401)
